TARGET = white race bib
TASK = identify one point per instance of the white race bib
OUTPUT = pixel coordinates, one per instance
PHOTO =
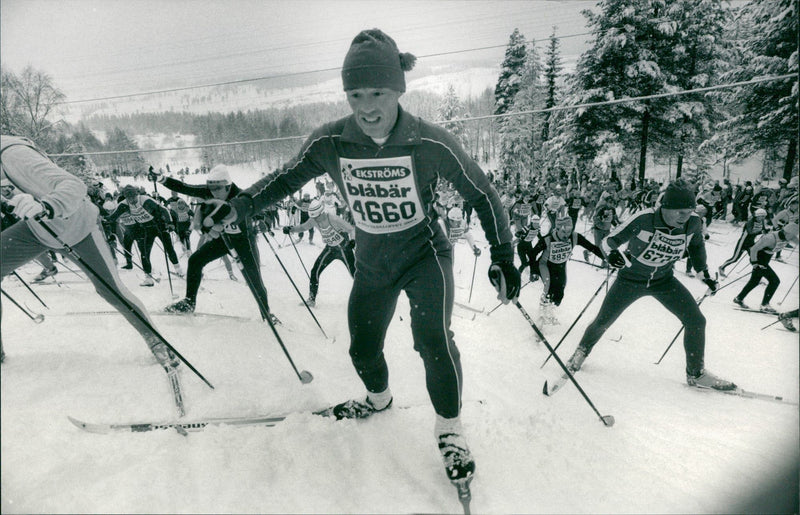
(663, 249)
(382, 193)
(560, 251)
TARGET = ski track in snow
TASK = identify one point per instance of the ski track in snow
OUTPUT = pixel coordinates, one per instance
(673, 449)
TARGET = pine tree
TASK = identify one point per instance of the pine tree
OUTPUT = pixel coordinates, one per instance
(765, 115)
(551, 74)
(509, 82)
(452, 108)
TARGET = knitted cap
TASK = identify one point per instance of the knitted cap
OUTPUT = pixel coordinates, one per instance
(374, 61)
(218, 176)
(315, 208)
(678, 195)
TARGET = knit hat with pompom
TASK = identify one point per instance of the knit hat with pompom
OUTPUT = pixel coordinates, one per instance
(374, 61)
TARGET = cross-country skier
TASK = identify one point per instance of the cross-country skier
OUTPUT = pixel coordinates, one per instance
(241, 238)
(526, 234)
(656, 239)
(142, 216)
(760, 255)
(755, 226)
(555, 249)
(339, 237)
(387, 163)
(59, 198)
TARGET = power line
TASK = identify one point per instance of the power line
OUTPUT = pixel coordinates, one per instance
(455, 120)
(292, 74)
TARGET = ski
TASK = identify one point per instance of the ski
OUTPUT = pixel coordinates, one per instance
(739, 392)
(751, 310)
(468, 307)
(177, 393)
(550, 388)
(200, 425)
(467, 316)
(464, 492)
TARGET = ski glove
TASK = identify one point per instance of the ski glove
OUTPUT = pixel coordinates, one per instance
(709, 281)
(287, 229)
(25, 207)
(476, 250)
(617, 259)
(504, 276)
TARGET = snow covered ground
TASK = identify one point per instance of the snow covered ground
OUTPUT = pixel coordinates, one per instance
(673, 449)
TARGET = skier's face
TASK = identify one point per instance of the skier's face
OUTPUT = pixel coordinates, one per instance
(676, 217)
(220, 192)
(375, 110)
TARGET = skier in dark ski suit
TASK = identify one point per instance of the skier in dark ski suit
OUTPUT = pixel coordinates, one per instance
(339, 237)
(387, 164)
(239, 236)
(656, 239)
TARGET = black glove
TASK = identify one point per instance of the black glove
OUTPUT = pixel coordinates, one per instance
(351, 243)
(476, 250)
(216, 212)
(707, 236)
(617, 260)
(709, 281)
(504, 276)
(287, 229)
(153, 176)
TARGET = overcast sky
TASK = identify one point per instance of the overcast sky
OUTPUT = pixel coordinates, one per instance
(116, 47)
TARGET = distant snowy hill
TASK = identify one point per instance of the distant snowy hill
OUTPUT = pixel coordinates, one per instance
(468, 82)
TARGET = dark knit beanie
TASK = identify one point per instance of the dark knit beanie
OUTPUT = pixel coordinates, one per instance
(679, 195)
(374, 61)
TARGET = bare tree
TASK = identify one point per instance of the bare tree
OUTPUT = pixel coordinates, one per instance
(27, 102)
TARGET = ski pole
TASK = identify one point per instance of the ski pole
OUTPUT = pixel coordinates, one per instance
(75, 256)
(579, 316)
(497, 306)
(706, 294)
(298, 257)
(790, 289)
(39, 318)
(169, 274)
(29, 288)
(304, 376)
(472, 282)
(293, 284)
(608, 420)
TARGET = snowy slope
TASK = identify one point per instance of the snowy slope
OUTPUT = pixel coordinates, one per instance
(673, 449)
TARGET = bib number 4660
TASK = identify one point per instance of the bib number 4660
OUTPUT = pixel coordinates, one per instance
(378, 213)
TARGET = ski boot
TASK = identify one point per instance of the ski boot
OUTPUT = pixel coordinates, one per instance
(721, 272)
(787, 322)
(458, 462)
(148, 281)
(739, 302)
(231, 276)
(165, 356)
(127, 266)
(182, 306)
(708, 380)
(766, 308)
(45, 273)
(311, 301)
(355, 409)
(574, 363)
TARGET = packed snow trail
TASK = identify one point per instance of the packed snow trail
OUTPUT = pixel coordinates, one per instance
(673, 449)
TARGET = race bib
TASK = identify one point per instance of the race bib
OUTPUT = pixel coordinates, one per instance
(330, 235)
(382, 193)
(560, 251)
(663, 249)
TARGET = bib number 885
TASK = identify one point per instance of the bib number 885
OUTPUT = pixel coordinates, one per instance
(378, 213)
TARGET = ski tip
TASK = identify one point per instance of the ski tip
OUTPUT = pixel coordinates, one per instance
(91, 428)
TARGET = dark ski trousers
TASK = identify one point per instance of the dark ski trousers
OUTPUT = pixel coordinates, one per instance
(742, 245)
(672, 295)
(557, 282)
(20, 245)
(761, 273)
(525, 252)
(428, 283)
(215, 249)
(144, 237)
(325, 258)
(169, 249)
